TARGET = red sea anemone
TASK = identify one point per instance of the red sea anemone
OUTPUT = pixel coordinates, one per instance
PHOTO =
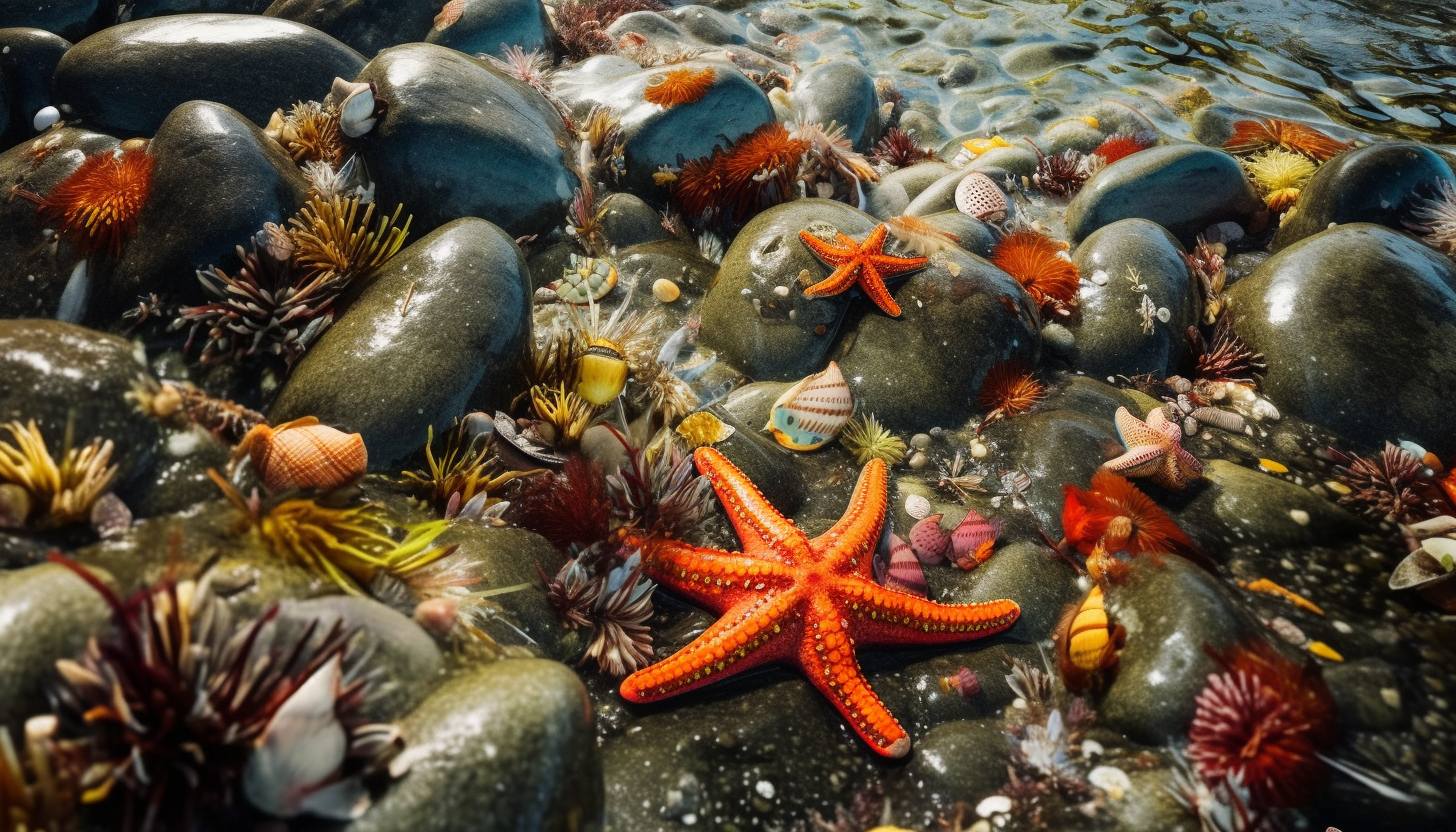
(682, 85)
(1117, 515)
(1037, 263)
(899, 149)
(756, 171)
(1121, 145)
(1264, 720)
(1252, 136)
(96, 208)
(570, 507)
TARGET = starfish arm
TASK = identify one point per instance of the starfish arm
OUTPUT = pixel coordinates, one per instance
(828, 660)
(851, 541)
(1139, 461)
(1134, 431)
(841, 279)
(873, 285)
(749, 635)
(1188, 465)
(884, 617)
(710, 578)
(759, 525)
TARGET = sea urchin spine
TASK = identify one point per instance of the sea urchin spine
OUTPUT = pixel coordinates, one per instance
(96, 208)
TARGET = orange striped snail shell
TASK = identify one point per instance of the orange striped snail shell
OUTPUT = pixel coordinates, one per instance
(1088, 643)
(304, 454)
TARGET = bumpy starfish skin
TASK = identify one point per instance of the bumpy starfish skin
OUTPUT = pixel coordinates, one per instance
(864, 263)
(809, 603)
(1154, 451)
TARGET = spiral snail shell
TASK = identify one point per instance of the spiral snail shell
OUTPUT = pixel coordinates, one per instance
(304, 454)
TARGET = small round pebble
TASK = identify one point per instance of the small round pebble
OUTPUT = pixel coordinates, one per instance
(781, 291)
(45, 117)
(920, 441)
(665, 290)
(918, 460)
(979, 450)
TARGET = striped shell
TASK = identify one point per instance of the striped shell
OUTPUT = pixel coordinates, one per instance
(972, 540)
(980, 197)
(1090, 645)
(903, 572)
(304, 454)
(929, 541)
(813, 411)
(965, 682)
(585, 280)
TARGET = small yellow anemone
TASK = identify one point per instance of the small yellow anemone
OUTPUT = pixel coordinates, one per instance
(565, 411)
(466, 468)
(1279, 174)
(866, 439)
(63, 492)
(703, 428)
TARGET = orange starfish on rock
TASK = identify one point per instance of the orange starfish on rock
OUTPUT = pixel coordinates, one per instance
(1154, 450)
(864, 263)
(810, 603)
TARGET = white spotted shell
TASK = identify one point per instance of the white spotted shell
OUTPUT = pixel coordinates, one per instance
(980, 197)
(304, 454)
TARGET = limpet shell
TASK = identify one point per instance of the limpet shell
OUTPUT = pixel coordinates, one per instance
(813, 411)
(665, 290)
(917, 506)
(587, 279)
(979, 196)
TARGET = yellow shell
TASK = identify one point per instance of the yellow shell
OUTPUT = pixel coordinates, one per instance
(304, 454)
(703, 428)
(1324, 651)
(1089, 633)
(601, 372)
(978, 146)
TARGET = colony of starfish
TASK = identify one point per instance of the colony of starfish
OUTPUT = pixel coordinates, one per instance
(811, 603)
(864, 264)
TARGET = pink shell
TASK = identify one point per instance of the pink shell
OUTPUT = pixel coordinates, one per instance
(904, 572)
(980, 197)
(929, 541)
(973, 532)
(965, 682)
(309, 456)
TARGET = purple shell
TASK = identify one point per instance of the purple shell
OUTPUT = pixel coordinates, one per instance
(929, 541)
(904, 572)
(965, 682)
(973, 532)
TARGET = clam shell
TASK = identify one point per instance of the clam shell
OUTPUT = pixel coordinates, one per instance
(813, 411)
(904, 572)
(917, 506)
(1422, 571)
(585, 280)
(929, 541)
(309, 456)
(980, 197)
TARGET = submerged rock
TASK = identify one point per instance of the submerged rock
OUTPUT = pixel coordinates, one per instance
(132, 75)
(841, 92)
(489, 26)
(958, 762)
(390, 372)
(46, 613)
(1355, 325)
(457, 139)
(30, 58)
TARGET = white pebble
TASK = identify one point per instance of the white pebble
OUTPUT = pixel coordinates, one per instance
(765, 789)
(1099, 277)
(45, 117)
(1091, 748)
(781, 291)
(979, 450)
(1390, 696)
(996, 804)
(1299, 516)
(1344, 628)
(1164, 315)
(1110, 779)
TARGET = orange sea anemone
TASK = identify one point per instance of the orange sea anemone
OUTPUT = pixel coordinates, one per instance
(1037, 263)
(1008, 389)
(1252, 136)
(1121, 145)
(96, 208)
(756, 171)
(682, 85)
(1117, 515)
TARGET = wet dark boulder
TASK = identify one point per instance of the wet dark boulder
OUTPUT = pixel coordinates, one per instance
(28, 58)
(489, 26)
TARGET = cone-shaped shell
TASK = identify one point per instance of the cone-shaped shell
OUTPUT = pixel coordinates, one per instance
(813, 411)
(979, 196)
(972, 540)
(1089, 638)
(929, 541)
(601, 373)
(305, 454)
(904, 572)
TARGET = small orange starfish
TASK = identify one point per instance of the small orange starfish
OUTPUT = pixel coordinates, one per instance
(864, 263)
(1154, 450)
(809, 603)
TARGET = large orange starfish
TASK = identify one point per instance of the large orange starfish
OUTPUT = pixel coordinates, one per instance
(810, 603)
(864, 263)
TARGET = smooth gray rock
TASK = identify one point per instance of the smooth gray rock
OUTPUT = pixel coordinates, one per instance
(132, 75)
(1239, 505)
(365, 25)
(764, 339)
(840, 91)
(628, 221)
(1374, 184)
(215, 181)
(1033, 576)
(507, 746)
(390, 377)
(1112, 337)
(1036, 59)
(490, 26)
(508, 557)
(460, 140)
(46, 614)
(143, 9)
(959, 762)
(70, 19)
(1355, 324)
(1367, 695)
(769, 465)
(1183, 187)
(892, 194)
(28, 58)
(709, 25)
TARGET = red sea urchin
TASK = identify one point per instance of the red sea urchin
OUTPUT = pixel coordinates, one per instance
(1251, 136)
(1121, 145)
(1264, 720)
(1036, 261)
(1390, 487)
(96, 208)
(681, 85)
(1009, 388)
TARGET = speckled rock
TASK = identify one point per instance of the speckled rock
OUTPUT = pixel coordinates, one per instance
(33, 279)
(1374, 184)
(675, 260)
(71, 19)
(46, 613)
(1355, 325)
(488, 27)
(652, 136)
(467, 326)
(993, 318)
(54, 372)
(912, 691)
(176, 477)
(1367, 695)
(1029, 574)
(28, 57)
(408, 658)
(961, 761)
(1163, 667)
(841, 91)
(1183, 187)
(783, 336)
(445, 156)
(892, 194)
(216, 180)
(506, 746)
(509, 557)
(132, 75)
(1239, 505)
(1112, 335)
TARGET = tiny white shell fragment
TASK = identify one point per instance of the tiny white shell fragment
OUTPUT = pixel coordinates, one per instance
(1099, 277)
(996, 804)
(45, 117)
(917, 506)
(1164, 315)
(1110, 779)
(1299, 516)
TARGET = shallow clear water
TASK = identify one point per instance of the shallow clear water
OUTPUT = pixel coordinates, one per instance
(1385, 67)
